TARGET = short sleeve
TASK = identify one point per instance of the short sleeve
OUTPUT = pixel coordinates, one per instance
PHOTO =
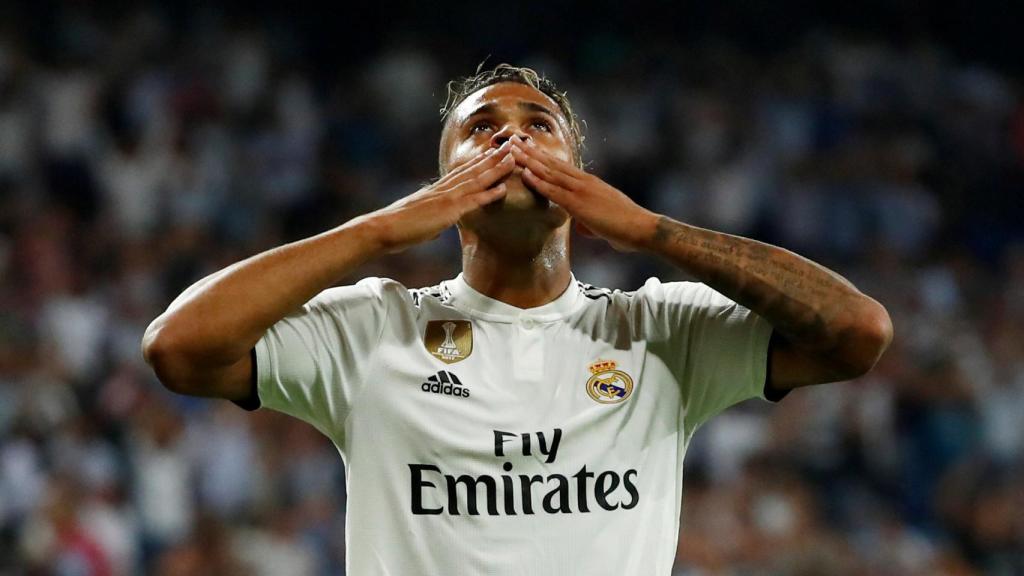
(716, 348)
(313, 363)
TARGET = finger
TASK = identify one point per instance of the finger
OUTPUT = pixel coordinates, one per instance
(487, 178)
(479, 175)
(469, 162)
(487, 196)
(468, 178)
(553, 164)
(479, 163)
(544, 171)
(549, 190)
(549, 160)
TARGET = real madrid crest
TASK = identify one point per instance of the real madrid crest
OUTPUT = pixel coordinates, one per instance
(449, 340)
(608, 385)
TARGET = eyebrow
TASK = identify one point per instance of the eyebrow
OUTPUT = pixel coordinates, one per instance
(534, 107)
(523, 105)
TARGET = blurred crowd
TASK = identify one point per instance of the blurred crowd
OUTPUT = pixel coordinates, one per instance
(143, 150)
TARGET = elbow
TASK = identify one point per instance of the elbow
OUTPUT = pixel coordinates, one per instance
(164, 351)
(868, 337)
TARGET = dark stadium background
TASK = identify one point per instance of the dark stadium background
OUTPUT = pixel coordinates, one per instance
(143, 147)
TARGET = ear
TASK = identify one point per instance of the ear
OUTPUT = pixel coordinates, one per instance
(442, 151)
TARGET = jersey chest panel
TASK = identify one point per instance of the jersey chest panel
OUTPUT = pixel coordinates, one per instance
(601, 404)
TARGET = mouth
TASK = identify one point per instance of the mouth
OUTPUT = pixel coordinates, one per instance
(519, 196)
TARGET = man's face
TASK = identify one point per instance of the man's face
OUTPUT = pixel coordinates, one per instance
(492, 115)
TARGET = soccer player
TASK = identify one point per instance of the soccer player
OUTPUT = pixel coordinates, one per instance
(513, 420)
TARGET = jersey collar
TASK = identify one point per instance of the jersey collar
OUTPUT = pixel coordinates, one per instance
(467, 298)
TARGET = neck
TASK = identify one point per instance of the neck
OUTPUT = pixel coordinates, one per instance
(518, 276)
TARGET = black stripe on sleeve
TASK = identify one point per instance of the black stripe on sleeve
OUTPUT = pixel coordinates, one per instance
(771, 393)
(252, 401)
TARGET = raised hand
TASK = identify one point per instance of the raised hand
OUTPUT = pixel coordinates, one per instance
(423, 215)
(598, 208)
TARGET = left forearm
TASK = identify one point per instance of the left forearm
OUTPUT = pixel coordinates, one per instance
(813, 307)
(831, 331)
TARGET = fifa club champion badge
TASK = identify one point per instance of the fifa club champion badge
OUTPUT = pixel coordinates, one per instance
(608, 385)
(449, 340)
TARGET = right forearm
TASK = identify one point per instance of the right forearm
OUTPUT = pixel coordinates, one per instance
(201, 343)
(221, 317)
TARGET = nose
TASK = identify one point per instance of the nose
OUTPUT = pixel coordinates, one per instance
(506, 134)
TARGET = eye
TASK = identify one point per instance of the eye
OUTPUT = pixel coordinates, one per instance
(541, 125)
(480, 127)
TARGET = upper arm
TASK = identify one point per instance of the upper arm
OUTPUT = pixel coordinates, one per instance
(312, 364)
(789, 368)
(234, 382)
(178, 373)
(309, 364)
(716, 348)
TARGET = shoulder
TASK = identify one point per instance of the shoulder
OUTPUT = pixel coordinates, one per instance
(383, 293)
(598, 293)
(681, 293)
(654, 292)
(440, 293)
(368, 291)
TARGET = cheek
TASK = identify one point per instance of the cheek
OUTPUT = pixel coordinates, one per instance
(560, 150)
(557, 146)
(463, 152)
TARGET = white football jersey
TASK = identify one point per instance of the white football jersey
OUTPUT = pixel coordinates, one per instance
(484, 439)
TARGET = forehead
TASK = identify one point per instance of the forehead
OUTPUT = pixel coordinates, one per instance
(504, 95)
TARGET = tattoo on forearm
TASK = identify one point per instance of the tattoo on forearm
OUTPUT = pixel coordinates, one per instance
(795, 295)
